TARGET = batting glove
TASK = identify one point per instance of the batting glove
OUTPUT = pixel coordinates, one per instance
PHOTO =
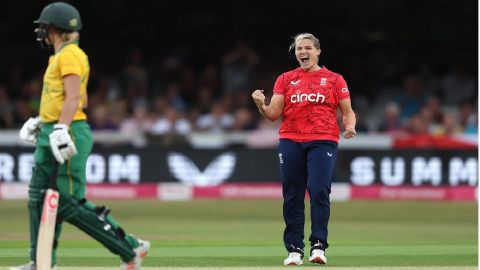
(61, 143)
(31, 128)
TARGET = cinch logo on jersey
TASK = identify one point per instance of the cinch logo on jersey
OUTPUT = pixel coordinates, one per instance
(299, 97)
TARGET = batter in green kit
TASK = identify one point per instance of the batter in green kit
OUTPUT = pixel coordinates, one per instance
(61, 134)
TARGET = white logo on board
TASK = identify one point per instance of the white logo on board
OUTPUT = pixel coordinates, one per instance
(216, 172)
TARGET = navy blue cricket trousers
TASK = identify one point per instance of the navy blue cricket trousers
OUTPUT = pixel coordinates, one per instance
(306, 166)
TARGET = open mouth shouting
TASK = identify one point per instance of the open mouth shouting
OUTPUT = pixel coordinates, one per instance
(304, 60)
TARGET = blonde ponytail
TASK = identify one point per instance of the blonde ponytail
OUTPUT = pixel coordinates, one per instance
(70, 37)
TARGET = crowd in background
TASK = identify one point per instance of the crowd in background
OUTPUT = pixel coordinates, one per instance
(175, 97)
(175, 67)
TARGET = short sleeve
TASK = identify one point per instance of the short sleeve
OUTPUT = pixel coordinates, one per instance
(279, 87)
(69, 64)
(342, 88)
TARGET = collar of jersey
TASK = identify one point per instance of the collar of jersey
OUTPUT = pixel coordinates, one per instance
(322, 68)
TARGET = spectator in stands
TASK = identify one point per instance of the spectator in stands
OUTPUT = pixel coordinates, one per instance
(174, 97)
(159, 104)
(218, 120)
(171, 122)
(100, 118)
(309, 136)
(417, 125)
(391, 123)
(118, 112)
(468, 117)
(411, 99)
(427, 117)
(105, 90)
(137, 126)
(434, 105)
(449, 126)
(244, 120)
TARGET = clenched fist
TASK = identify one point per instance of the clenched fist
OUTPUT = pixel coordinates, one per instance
(349, 133)
(259, 98)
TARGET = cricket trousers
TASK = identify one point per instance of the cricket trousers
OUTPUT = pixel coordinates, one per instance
(306, 166)
(70, 179)
(73, 207)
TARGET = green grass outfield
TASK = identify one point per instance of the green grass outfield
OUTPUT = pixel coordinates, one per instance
(247, 234)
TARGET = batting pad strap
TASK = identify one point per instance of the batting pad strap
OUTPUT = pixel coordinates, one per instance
(87, 220)
(102, 211)
(103, 214)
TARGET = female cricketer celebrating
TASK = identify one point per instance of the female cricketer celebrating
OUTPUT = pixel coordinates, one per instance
(62, 134)
(307, 98)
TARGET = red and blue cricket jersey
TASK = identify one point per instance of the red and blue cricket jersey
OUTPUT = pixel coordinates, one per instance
(310, 104)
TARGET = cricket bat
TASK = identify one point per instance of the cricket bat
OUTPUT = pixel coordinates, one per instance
(47, 225)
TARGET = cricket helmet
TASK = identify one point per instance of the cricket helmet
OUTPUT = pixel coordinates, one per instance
(62, 16)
